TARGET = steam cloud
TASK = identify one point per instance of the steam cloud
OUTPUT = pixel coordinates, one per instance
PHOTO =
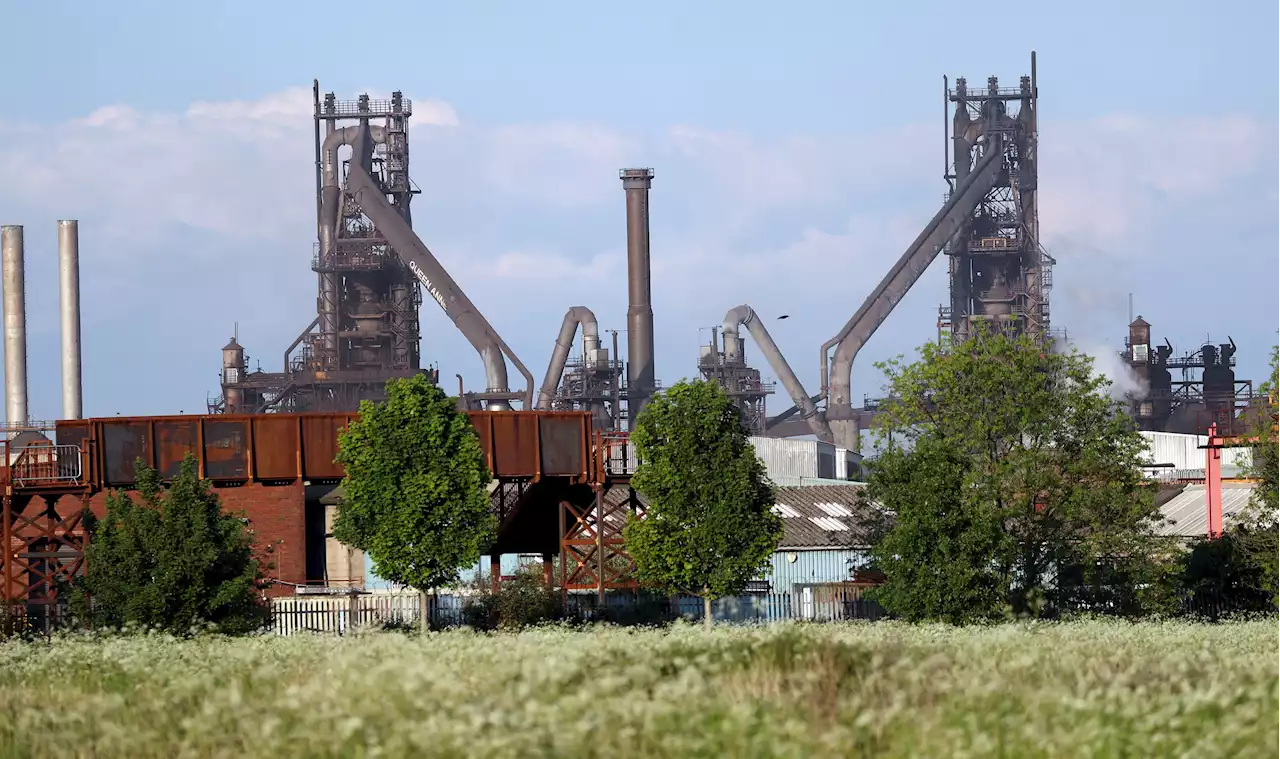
(1125, 383)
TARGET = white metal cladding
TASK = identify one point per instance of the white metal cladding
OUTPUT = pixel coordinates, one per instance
(796, 458)
(821, 565)
(1184, 451)
(848, 465)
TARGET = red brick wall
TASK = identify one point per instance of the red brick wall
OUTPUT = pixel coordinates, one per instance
(277, 517)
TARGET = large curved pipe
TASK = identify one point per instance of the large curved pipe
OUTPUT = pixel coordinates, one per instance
(329, 190)
(578, 315)
(330, 195)
(439, 285)
(746, 316)
(880, 303)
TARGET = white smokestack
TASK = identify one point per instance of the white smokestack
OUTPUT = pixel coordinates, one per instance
(15, 324)
(69, 302)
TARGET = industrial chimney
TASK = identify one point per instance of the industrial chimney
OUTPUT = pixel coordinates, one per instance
(69, 300)
(15, 325)
(640, 381)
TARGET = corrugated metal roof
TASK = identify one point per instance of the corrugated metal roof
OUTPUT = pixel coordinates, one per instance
(1188, 512)
(821, 516)
(826, 516)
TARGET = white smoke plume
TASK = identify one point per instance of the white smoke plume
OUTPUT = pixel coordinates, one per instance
(1125, 382)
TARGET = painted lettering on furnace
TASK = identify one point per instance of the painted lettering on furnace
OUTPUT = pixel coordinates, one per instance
(417, 272)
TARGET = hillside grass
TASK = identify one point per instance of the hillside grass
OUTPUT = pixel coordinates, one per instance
(1085, 689)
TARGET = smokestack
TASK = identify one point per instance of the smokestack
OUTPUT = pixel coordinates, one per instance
(15, 325)
(69, 301)
(640, 381)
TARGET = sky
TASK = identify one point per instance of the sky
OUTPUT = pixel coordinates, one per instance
(797, 151)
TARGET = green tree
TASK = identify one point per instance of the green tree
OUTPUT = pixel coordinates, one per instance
(415, 496)
(942, 554)
(1256, 531)
(170, 559)
(709, 527)
(1048, 452)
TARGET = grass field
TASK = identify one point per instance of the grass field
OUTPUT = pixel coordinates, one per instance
(1089, 689)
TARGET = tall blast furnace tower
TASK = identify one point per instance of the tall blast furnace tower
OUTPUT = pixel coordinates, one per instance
(1000, 275)
(366, 326)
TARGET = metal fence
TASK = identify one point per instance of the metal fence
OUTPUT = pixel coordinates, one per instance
(338, 614)
(345, 613)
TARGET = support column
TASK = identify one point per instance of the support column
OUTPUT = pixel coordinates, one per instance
(1213, 482)
(601, 558)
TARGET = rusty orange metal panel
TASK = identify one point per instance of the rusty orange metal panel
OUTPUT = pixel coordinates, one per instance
(275, 447)
(564, 443)
(320, 445)
(484, 430)
(226, 448)
(515, 441)
(71, 432)
(122, 443)
(175, 438)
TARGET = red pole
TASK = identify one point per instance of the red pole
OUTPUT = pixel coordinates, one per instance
(1213, 481)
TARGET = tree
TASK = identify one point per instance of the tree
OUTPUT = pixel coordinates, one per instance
(1047, 452)
(170, 559)
(941, 555)
(709, 527)
(1255, 534)
(415, 495)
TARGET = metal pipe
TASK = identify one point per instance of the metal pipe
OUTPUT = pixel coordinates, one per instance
(69, 303)
(578, 315)
(880, 303)
(315, 97)
(745, 316)
(640, 374)
(15, 324)
(330, 211)
(439, 285)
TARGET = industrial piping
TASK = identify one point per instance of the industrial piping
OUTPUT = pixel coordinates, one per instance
(877, 307)
(745, 316)
(69, 304)
(330, 211)
(640, 372)
(439, 286)
(578, 315)
(15, 325)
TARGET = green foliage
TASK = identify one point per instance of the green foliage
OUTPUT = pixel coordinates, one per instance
(709, 527)
(1045, 452)
(1235, 572)
(1249, 544)
(521, 601)
(941, 557)
(170, 559)
(415, 495)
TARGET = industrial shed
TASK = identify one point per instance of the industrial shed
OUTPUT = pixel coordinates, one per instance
(826, 535)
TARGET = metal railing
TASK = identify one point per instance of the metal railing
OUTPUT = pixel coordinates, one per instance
(47, 465)
(372, 108)
(614, 455)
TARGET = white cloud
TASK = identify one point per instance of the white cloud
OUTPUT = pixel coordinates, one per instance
(1104, 181)
(564, 164)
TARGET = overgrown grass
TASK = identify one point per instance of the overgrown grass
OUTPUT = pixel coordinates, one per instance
(1085, 689)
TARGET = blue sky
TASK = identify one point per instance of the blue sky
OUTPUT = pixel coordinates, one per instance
(797, 152)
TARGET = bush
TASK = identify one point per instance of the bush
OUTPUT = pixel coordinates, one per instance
(521, 601)
(170, 559)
